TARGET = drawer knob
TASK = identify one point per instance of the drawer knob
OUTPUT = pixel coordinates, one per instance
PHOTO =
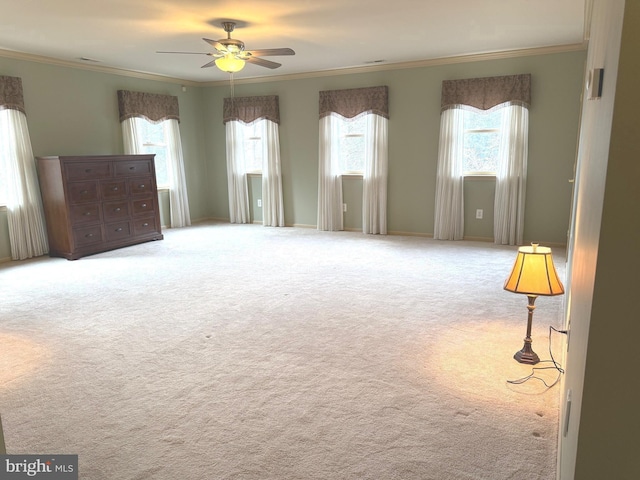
(141, 186)
(145, 224)
(119, 229)
(87, 214)
(84, 192)
(115, 189)
(116, 209)
(132, 168)
(89, 235)
(144, 205)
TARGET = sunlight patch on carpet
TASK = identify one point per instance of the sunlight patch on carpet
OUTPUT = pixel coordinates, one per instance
(476, 360)
(20, 358)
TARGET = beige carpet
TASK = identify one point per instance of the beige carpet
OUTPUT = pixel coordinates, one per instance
(245, 352)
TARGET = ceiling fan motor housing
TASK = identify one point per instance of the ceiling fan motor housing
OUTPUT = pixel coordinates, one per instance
(232, 45)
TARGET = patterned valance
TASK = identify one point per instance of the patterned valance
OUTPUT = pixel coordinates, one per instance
(152, 106)
(250, 109)
(352, 102)
(488, 92)
(11, 97)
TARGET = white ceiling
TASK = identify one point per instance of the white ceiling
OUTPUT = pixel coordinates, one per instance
(325, 34)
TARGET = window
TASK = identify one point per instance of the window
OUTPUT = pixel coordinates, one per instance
(351, 143)
(153, 139)
(253, 144)
(482, 141)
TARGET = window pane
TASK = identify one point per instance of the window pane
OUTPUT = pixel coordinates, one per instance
(482, 141)
(253, 144)
(481, 152)
(351, 146)
(153, 141)
(162, 176)
(478, 119)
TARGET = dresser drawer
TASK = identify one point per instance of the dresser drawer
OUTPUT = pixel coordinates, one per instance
(140, 186)
(85, 213)
(87, 170)
(87, 235)
(143, 206)
(145, 225)
(113, 190)
(133, 167)
(116, 210)
(83, 192)
(117, 231)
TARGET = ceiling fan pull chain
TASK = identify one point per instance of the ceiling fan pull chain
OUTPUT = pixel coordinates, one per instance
(231, 83)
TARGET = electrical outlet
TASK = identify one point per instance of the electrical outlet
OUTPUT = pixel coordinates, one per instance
(479, 214)
(259, 202)
(344, 207)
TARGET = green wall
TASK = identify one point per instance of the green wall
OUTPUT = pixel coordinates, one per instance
(414, 124)
(73, 111)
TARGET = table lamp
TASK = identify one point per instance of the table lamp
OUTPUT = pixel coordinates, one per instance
(533, 274)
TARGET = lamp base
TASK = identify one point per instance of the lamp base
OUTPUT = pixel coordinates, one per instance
(526, 355)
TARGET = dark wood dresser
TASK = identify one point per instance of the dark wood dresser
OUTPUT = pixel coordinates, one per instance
(98, 203)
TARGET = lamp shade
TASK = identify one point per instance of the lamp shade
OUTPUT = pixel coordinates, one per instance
(229, 63)
(534, 273)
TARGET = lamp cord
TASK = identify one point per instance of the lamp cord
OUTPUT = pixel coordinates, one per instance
(556, 366)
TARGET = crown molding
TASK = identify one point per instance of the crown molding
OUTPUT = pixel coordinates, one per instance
(498, 55)
(478, 57)
(96, 68)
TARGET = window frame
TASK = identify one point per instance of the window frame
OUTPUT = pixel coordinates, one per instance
(253, 136)
(342, 122)
(146, 142)
(481, 130)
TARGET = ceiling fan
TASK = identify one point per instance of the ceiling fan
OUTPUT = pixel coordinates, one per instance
(231, 56)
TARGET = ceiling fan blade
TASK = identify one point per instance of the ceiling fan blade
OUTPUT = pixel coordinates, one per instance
(189, 53)
(215, 44)
(210, 64)
(266, 52)
(262, 62)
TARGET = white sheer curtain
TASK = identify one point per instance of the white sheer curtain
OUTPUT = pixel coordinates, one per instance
(133, 145)
(178, 200)
(248, 119)
(329, 177)
(131, 137)
(236, 173)
(374, 181)
(272, 203)
(27, 229)
(511, 178)
(449, 211)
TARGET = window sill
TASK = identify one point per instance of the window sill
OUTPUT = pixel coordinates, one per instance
(353, 175)
(479, 176)
(254, 174)
(3, 208)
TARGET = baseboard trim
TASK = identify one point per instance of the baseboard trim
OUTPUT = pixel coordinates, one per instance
(478, 239)
(470, 238)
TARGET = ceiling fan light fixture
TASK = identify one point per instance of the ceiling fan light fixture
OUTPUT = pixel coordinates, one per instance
(230, 64)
